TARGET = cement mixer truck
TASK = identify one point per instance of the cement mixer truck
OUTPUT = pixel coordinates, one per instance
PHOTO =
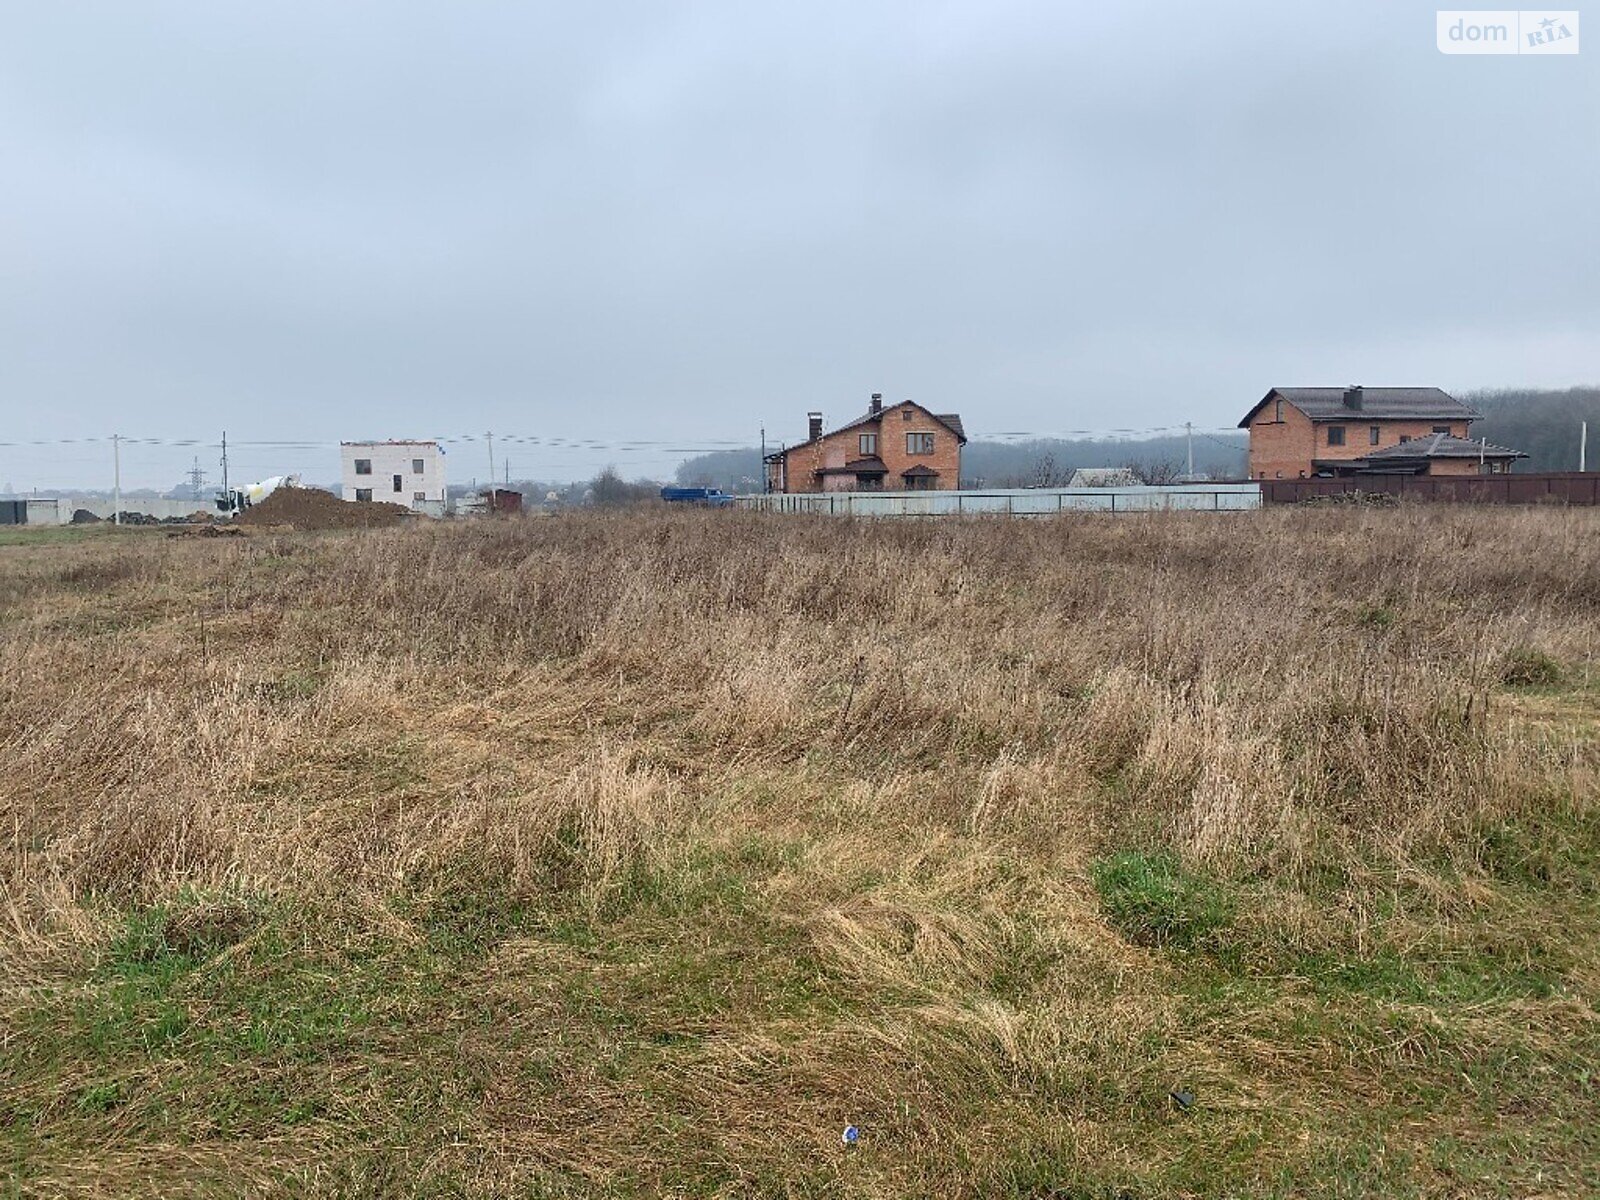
(235, 500)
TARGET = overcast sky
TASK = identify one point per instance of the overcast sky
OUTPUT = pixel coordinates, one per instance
(671, 223)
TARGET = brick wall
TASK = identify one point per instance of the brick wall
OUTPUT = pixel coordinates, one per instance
(1286, 449)
(893, 431)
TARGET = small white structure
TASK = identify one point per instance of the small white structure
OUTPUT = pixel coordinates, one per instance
(1102, 477)
(399, 472)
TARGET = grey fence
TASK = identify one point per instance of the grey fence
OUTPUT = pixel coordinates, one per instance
(1016, 502)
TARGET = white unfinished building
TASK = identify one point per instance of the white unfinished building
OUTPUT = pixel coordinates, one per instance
(399, 472)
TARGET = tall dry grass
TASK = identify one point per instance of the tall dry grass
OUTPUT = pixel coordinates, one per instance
(1249, 688)
(944, 722)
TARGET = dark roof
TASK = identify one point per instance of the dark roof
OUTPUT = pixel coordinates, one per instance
(858, 466)
(1441, 445)
(1377, 403)
(919, 470)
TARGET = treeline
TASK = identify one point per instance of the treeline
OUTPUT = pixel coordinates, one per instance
(1046, 462)
(1050, 462)
(1544, 425)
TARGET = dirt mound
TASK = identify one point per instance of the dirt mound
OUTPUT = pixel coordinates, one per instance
(208, 531)
(313, 508)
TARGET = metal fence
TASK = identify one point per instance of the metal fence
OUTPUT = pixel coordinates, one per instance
(1015, 502)
(1565, 487)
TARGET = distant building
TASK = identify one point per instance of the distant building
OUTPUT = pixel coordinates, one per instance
(494, 501)
(903, 447)
(399, 472)
(1297, 433)
(1101, 477)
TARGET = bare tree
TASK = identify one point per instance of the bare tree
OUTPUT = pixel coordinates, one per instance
(1047, 474)
(1155, 473)
(609, 490)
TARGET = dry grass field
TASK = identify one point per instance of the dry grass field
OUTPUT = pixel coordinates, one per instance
(639, 855)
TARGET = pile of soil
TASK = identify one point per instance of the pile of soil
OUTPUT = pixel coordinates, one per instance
(313, 508)
(83, 516)
(209, 531)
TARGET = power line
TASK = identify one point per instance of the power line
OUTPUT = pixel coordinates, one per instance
(662, 446)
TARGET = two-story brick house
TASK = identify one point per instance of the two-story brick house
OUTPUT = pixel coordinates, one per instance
(1296, 433)
(903, 447)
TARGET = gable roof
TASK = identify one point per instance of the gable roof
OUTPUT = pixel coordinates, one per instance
(1440, 445)
(1103, 477)
(950, 421)
(1377, 403)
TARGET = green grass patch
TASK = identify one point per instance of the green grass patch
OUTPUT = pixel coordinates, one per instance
(1153, 901)
(1465, 978)
(1525, 667)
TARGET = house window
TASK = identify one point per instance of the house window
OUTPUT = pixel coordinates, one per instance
(1277, 410)
(919, 483)
(419, 495)
(919, 443)
(363, 495)
(1335, 435)
(399, 483)
(1441, 429)
(417, 466)
(363, 466)
(868, 443)
(1374, 435)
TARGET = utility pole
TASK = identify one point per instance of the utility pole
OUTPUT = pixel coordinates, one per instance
(116, 467)
(197, 477)
(766, 484)
(507, 464)
(1188, 432)
(226, 495)
(490, 436)
(1583, 447)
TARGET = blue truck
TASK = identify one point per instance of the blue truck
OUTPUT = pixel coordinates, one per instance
(706, 497)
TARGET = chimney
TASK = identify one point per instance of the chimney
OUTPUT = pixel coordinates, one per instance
(816, 425)
(876, 407)
(1352, 397)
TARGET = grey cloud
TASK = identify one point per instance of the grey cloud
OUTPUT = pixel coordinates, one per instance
(676, 222)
